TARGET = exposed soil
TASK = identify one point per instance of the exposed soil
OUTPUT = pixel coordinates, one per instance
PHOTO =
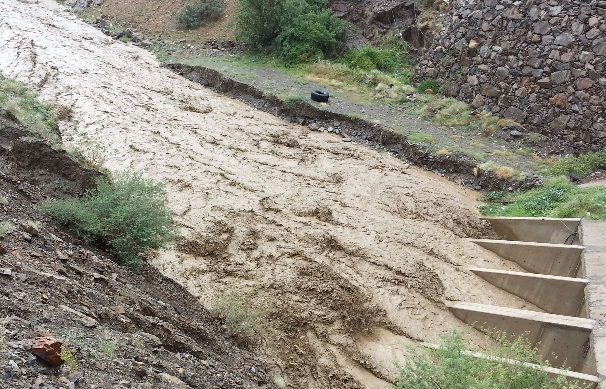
(125, 329)
(348, 253)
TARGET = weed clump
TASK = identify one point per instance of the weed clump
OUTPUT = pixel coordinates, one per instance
(24, 105)
(240, 319)
(557, 198)
(452, 366)
(580, 166)
(127, 214)
(199, 14)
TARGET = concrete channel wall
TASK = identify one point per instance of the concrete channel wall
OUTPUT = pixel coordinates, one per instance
(565, 275)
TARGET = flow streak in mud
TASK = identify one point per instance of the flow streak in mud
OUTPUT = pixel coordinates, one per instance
(348, 253)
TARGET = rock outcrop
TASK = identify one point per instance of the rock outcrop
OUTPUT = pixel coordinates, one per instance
(541, 63)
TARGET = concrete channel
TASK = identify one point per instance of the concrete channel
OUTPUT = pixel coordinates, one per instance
(565, 276)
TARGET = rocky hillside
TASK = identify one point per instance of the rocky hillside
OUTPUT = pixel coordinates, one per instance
(539, 63)
(117, 328)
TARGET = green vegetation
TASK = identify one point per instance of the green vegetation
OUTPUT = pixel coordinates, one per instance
(70, 359)
(128, 214)
(451, 366)
(429, 84)
(421, 137)
(24, 105)
(240, 319)
(580, 166)
(557, 198)
(108, 347)
(6, 228)
(291, 101)
(198, 14)
(370, 58)
(298, 31)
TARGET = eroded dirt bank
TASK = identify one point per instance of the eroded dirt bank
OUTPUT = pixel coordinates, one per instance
(347, 252)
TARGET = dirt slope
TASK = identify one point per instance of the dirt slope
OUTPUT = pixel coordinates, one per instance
(347, 252)
(125, 330)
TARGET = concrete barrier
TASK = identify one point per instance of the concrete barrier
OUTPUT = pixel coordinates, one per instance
(541, 230)
(561, 340)
(557, 295)
(593, 236)
(543, 258)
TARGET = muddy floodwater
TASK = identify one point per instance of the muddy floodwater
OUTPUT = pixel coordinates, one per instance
(345, 253)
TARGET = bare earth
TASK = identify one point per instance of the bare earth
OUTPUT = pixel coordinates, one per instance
(348, 253)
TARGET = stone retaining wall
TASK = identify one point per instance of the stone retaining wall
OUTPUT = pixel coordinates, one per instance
(541, 63)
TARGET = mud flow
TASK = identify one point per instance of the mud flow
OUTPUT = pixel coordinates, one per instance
(346, 254)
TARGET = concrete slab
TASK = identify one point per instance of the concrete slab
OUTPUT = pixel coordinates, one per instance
(593, 236)
(562, 340)
(543, 258)
(557, 295)
(531, 229)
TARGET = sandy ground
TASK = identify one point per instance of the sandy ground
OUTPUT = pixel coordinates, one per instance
(346, 254)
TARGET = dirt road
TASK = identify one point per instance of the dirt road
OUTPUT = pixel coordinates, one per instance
(347, 253)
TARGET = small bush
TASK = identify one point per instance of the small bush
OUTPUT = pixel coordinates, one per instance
(298, 31)
(198, 14)
(451, 366)
(429, 84)
(128, 214)
(370, 58)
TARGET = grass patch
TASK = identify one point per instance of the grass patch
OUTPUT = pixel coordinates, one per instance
(24, 105)
(291, 101)
(241, 320)
(451, 366)
(580, 166)
(127, 214)
(557, 198)
(421, 137)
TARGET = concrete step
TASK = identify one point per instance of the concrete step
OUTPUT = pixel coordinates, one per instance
(557, 295)
(541, 230)
(562, 340)
(544, 258)
(587, 381)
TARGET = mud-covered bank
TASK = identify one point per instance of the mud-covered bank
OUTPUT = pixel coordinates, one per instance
(456, 166)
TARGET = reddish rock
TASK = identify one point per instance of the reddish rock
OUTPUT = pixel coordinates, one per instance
(48, 349)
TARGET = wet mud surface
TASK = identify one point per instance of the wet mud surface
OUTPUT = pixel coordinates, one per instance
(348, 252)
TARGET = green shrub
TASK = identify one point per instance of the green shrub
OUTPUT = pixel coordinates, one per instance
(451, 366)
(128, 214)
(198, 14)
(429, 84)
(297, 31)
(24, 105)
(370, 58)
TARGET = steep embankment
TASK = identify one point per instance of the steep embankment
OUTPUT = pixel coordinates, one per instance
(122, 329)
(346, 252)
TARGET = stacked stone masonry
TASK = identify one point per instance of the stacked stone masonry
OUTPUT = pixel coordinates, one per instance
(540, 63)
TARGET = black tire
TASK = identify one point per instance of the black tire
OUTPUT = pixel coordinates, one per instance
(319, 96)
